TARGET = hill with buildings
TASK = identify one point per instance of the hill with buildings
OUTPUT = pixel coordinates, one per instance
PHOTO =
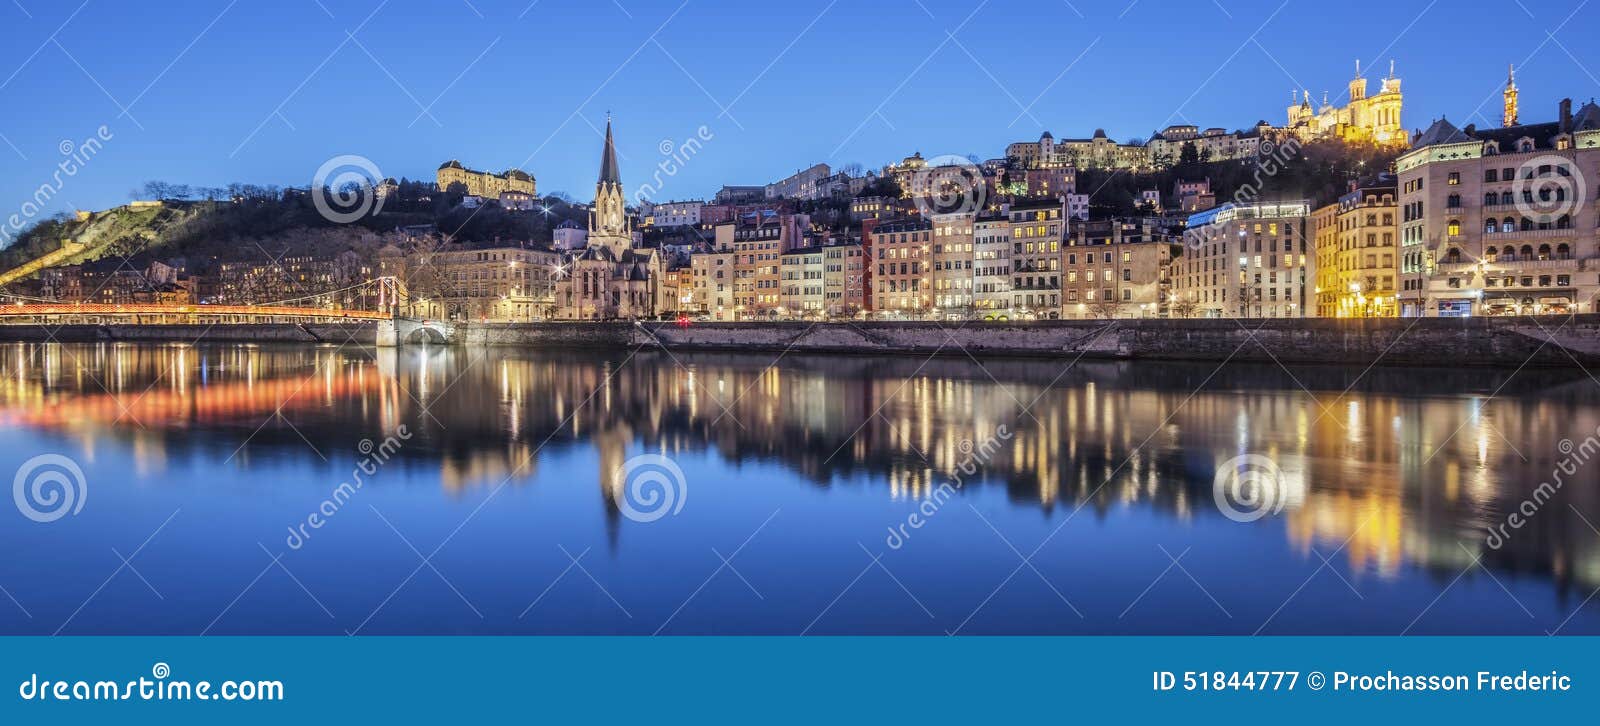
(255, 221)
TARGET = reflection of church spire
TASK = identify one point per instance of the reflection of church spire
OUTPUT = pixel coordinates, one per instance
(612, 446)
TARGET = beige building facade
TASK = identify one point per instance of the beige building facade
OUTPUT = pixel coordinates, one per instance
(1246, 261)
(485, 184)
(1502, 221)
(1115, 268)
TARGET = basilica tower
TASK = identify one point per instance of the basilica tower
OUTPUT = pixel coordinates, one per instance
(1510, 117)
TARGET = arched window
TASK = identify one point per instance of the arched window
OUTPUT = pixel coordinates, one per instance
(1527, 252)
(1508, 225)
(1489, 227)
(1490, 199)
(1455, 227)
(1507, 198)
(1527, 224)
(1491, 254)
(1544, 252)
(1564, 222)
(1563, 252)
(1453, 256)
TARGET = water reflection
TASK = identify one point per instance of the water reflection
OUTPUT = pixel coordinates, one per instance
(1406, 470)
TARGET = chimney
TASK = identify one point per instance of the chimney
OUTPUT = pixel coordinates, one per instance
(1566, 115)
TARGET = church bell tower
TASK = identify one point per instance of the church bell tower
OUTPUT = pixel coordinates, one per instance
(608, 221)
(1510, 118)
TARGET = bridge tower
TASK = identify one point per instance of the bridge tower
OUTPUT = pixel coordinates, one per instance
(388, 296)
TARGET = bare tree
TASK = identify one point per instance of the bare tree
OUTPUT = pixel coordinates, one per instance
(1184, 308)
(1111, 308)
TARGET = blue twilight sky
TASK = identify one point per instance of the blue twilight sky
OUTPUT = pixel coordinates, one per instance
(208, 92)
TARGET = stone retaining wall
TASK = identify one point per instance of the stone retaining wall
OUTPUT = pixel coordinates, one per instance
(1505, 342)
(1562, 342)
(354, 333)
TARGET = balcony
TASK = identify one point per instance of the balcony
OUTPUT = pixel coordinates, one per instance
(1503, 264)
(1502, 237)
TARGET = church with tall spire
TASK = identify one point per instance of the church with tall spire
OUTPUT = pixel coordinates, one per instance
(611, 277)
(608, 220)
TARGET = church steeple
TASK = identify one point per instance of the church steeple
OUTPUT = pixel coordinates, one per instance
(609, 226)
(1510, 118)
(609, 173)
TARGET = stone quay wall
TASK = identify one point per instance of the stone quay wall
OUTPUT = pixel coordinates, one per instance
(336, 333)
(1498, 342)
(1492, 342)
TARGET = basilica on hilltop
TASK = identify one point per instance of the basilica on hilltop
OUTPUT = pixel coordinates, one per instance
(1365, 119)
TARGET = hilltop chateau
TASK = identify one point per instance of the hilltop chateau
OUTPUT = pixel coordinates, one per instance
(484, 184)
(1370, 119)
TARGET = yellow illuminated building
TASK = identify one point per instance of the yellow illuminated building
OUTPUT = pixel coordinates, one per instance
(1325, 235)
(483, 183)
(1367, 119)
(1365, 256)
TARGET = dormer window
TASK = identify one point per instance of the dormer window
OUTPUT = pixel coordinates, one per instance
(1491, 148)
(1524, 144)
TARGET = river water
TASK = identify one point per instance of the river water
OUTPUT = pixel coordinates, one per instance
(238, 489)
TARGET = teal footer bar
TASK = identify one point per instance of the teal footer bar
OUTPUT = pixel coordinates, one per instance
(791, 680)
